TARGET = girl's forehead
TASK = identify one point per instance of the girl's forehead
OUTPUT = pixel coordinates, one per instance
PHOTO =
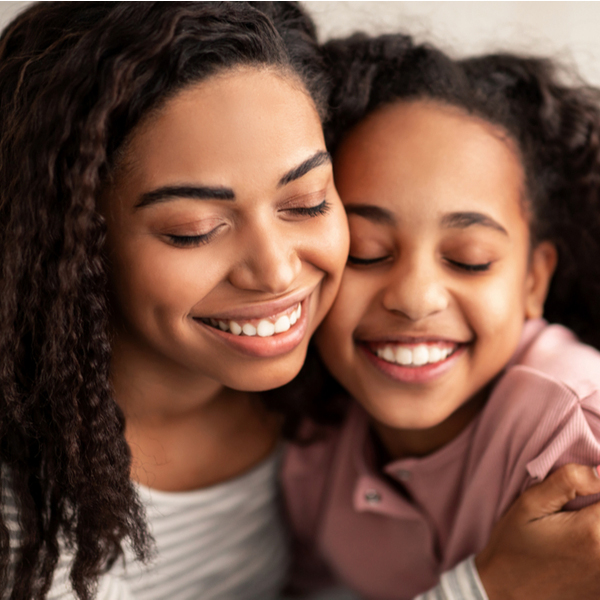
(422, 161)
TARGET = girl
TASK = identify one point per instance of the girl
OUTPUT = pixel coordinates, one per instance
(469, 187)
(164, 189)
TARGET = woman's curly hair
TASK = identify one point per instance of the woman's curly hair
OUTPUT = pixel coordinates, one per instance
(75, 80)
(556, 127)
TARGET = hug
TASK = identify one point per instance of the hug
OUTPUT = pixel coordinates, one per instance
(172, 239)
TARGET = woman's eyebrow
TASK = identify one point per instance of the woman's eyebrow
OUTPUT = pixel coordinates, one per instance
(171, 192)
(316, 160)
(462, 220)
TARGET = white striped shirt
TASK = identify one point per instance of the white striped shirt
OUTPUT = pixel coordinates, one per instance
(226, 542)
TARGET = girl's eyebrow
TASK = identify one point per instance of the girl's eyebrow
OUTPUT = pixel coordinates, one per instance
(462, 220)
(375, 214)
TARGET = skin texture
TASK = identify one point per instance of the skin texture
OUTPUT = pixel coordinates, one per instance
(440, 254)
(182, 384)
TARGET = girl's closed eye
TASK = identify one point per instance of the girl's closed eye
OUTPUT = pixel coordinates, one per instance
(369, 246)
(358, 261)
(470, 267)
(469, 254)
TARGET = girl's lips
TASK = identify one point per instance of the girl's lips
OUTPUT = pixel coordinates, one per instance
(413, 363)
(270, 345)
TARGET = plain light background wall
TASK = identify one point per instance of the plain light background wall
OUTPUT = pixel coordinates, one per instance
(568, 31)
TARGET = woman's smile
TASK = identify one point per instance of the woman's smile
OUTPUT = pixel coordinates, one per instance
(277, 332)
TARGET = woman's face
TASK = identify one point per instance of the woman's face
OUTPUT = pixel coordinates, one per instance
(226, 237)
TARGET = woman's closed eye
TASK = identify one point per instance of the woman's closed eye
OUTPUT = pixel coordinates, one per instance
(308, 211)
(187, 241)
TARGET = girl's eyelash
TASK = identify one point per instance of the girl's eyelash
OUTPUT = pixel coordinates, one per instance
(186, 241)
(353, 260)
(311, 211)
(470, 268)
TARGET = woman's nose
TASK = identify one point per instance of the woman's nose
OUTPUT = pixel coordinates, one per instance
(270, 263)
(415, 290)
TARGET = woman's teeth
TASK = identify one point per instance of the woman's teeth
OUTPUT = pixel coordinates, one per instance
(262, 327)
(414, 356)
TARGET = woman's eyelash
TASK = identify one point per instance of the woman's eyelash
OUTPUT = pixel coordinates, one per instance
(470, 268)
(311, 211)
(353, 260)
(185, 241)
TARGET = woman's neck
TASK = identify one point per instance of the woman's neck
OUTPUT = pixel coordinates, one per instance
(187, 431)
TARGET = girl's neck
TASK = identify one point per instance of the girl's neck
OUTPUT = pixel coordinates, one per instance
(405, 443)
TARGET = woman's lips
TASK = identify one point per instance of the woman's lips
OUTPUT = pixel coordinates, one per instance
(264, 327)
(418, 362)
(263, 337)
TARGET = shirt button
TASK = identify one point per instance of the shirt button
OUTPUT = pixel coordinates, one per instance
(372, 497)
(403, 474)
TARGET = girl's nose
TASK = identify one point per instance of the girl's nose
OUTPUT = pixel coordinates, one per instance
(415, 291)
(271, 264)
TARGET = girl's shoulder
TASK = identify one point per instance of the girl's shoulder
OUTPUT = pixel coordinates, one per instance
(553, 352)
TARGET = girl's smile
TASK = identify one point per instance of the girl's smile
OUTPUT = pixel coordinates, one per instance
(415, 361)
(441, 273)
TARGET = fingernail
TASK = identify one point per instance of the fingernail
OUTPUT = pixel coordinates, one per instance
(597, 471)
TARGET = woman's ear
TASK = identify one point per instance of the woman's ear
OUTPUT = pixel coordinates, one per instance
(543, 262)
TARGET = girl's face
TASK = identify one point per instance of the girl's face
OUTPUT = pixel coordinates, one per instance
(226, 237)
(440, 276)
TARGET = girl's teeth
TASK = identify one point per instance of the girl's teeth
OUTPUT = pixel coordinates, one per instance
(263, 328)
(388, 354)
(404, 356)
(282, 324)
(249, 329)
(420, 356)
(436, 354)
(415, 356)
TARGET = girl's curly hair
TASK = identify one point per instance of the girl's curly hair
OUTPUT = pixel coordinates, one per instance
(75, 79)
(556, 127)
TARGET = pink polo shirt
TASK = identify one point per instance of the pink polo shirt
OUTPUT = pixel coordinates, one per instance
(544, 412)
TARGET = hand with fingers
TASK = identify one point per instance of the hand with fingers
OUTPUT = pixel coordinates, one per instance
(538, 552)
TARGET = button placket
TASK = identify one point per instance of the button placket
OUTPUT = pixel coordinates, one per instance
(372, 496)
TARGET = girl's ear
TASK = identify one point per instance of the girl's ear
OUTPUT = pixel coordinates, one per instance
(541, 269)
